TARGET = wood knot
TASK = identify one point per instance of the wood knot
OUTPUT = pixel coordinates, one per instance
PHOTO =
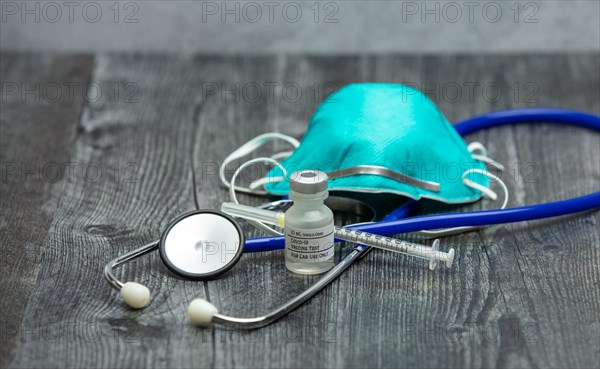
(103, 230)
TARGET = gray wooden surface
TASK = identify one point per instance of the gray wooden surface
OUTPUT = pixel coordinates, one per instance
(518, 295)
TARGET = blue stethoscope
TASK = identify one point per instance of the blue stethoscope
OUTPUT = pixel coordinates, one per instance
(214, 223)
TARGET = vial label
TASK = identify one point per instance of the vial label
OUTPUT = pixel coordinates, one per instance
(309, 245)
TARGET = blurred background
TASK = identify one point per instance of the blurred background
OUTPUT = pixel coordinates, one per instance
(254, 27)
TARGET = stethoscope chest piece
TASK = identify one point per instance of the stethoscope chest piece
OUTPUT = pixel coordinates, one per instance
(202, 244)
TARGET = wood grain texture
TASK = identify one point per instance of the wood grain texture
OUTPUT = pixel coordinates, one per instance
(519, 295)
(36, 133)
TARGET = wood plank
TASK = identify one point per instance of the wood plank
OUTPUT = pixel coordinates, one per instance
(546, 271)
(99, 219)
(36, 105)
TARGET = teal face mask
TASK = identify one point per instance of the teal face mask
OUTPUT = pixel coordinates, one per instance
(383, 138)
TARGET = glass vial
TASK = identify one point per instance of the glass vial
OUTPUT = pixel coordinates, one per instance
(309, 225)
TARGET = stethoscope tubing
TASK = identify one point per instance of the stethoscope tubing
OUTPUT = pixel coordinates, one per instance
(485, 217)
(528, 115)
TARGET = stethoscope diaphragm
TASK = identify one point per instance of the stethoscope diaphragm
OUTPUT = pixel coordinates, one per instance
(201, 244)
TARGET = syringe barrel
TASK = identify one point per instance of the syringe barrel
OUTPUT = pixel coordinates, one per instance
(388, 243)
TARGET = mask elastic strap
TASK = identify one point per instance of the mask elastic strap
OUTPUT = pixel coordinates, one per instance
(486, 192)
(250, 147)
(263, 181)
(233, 197)
(479, 152)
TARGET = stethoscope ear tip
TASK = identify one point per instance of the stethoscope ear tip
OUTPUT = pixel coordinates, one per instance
(135, 295)
(201, 311)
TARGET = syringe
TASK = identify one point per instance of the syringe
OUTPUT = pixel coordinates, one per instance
(346, 234)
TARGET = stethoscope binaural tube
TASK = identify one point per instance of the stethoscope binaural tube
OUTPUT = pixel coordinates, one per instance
(134, 294)
(202, 312)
